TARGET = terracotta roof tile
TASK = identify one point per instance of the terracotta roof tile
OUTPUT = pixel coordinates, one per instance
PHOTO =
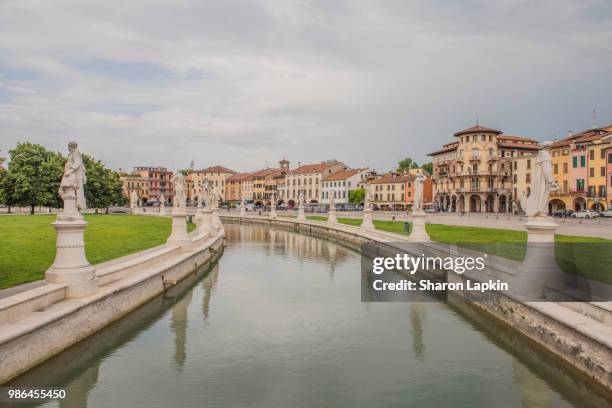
(216, 169)
(342, 175)
(477, 129)
(391, 178)
(240, 177)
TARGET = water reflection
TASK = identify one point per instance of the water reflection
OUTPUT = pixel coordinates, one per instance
(417, 317)
(284, 326)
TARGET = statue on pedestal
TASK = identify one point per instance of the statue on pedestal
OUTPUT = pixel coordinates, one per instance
(180, 199)
(133, 200)
(367, 205)
(542, 183)
(72, 186)
(418, 192)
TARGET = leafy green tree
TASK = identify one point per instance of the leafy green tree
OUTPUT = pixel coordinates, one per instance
(428, 167)
(103, 187)
(33, 175)
(356, 196)
(406, 164)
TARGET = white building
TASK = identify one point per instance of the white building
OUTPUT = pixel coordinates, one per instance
(306, 179)
(339, 184)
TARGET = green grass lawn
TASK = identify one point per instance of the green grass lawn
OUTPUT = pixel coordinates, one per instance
(587, 256)
(28, 242)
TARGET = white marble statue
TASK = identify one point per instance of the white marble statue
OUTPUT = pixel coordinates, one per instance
(72, 186)
(367, 205)
(542, 183)
(180, 199)
(301, 200)
(200, 200)
(133, 199)
(162, 201)
(418, 192)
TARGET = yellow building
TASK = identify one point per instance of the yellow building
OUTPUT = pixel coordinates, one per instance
(217, 175)
(236, 187)
(474, 173)
(597, 177)
(134, 182)
(389, 191)
(521, 176)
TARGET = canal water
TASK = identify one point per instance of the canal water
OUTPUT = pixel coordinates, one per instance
(278, 322)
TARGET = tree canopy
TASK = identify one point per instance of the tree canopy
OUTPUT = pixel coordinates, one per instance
(34, 174)
(406, 164)
(356, 196)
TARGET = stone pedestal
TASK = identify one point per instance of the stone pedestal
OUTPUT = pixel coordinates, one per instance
(206, 221)
(162, 210)
(367, 219)
(71, 266)
(272, 212)
(539, 268)
(419, 233)
(242, 211)
(179, 234)
(300, 215)
(216, 221)
(331, 216)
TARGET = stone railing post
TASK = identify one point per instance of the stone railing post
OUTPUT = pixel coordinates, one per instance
(539, 268)
(179, 235)
(367, 223)
(419, 233)
(331, 216)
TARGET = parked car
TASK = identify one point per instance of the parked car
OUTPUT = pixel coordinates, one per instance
(606, 214)
(563, 213)
(585, 214)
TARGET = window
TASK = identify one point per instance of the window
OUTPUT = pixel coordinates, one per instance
(528, 163)
(556, 168)
(565, 183)
(565, 168)
(483, 138)
(603, 154)
(580, 185)
(575, 161)
(610, 158)
(592, 172)
(582, 161)
(592, 155)
(602, 171)
(528, 178)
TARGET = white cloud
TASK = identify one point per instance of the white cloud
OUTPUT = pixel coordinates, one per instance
(247, 83)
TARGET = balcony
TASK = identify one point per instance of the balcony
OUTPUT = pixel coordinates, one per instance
(575, 191)
(492, 157)
(475, 157)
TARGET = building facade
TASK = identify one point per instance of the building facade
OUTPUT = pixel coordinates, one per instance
(340, 184)
(236, 187)
(388, 192)
(216, 175)
(474, 173)
(307, 179)
(134, 182)
(580, 168)
(160, 182)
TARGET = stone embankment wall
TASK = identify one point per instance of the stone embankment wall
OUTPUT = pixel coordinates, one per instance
(38, 323)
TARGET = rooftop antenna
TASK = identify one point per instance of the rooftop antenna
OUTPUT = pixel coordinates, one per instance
(594, 120)
(477, 124)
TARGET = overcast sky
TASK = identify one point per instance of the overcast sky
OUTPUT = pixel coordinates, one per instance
(246, 83)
